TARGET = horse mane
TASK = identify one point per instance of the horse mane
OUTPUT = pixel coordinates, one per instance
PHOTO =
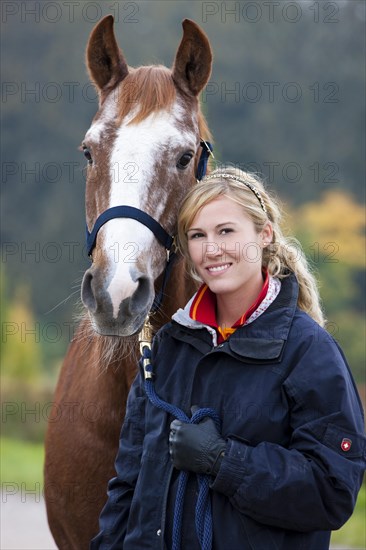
(150, 89)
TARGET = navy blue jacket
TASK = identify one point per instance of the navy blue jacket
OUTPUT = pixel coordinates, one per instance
(293, 422)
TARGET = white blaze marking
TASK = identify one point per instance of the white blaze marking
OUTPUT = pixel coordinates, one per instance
(137, 147)
(108, 113)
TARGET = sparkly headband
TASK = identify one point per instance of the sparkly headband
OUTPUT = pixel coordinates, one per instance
(236, 178)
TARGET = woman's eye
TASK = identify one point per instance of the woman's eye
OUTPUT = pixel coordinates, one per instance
(184, 160)
(87, 154)
(226, 230)
(192, 236)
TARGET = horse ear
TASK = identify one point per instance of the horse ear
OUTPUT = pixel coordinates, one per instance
(105, 61)
(193, 60)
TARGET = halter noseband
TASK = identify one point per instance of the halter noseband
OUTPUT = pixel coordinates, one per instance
(125, 211)
(133, 213)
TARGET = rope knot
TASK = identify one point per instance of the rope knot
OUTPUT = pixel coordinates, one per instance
(203, 515)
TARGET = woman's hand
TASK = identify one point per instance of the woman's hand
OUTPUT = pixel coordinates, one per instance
(196, 447)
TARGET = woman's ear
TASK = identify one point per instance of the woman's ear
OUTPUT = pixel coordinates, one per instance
(267, 234)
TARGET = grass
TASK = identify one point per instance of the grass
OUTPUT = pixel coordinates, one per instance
(353, 533)
(22, 463)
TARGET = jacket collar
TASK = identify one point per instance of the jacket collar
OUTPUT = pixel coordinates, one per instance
(203, 307)
(182, 317)
(264, 338)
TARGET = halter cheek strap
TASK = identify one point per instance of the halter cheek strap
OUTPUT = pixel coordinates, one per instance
(205, 155)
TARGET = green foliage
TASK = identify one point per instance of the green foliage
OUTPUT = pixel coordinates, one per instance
(3, 296)
(332, 232)
(338, 224)
(25, 391)
(21, 354)
(349, 328)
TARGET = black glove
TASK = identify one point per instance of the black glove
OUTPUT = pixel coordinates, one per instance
(196, 447)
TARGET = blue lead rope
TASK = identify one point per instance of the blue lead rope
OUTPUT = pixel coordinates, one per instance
(203, 517)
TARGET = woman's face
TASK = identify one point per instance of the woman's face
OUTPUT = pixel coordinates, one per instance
(225, 248)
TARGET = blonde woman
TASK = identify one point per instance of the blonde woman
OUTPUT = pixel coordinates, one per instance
(269, 419)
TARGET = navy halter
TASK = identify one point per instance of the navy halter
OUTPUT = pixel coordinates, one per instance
(205, 155)
(133, 213)
(125, 211)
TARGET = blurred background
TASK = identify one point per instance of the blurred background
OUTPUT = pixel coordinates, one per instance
(286, 100)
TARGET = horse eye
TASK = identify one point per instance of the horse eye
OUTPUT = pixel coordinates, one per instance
(87, 154)
(184, 160)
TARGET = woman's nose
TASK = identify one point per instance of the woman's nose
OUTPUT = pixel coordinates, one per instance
(213, 249)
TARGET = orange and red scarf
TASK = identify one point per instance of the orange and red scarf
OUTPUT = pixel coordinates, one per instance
(203, 309)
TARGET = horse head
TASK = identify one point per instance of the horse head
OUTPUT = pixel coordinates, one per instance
(142, 150)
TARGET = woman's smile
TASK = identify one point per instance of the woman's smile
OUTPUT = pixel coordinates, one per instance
(218, 269)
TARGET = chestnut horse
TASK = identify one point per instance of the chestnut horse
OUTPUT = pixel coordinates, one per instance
(142, 150)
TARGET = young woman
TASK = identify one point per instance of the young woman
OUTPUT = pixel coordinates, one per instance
(267, 448)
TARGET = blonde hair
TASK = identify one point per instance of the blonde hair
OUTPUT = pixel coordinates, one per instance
(281, 257)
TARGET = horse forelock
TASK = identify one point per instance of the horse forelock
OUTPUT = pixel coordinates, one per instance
(148, 89)
(144, 91)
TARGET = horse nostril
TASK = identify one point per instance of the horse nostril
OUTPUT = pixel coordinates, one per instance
(87, 294)
(141, 295)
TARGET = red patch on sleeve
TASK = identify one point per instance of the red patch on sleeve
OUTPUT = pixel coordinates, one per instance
(346, 444)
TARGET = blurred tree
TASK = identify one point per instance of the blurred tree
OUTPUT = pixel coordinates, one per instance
(24, 390)
(332, 233)
(3, 297)
(349, 328)
(21, 354)
(337, 223)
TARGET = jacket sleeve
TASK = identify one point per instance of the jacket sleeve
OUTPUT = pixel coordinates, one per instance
(114, 516)
(312, 483)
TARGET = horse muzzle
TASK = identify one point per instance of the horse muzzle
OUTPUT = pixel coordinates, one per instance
(117, 310)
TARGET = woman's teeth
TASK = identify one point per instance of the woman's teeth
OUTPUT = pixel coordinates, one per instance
(218, 268)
